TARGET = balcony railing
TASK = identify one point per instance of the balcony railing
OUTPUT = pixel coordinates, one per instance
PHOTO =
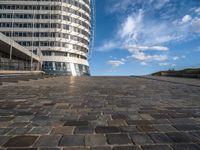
(19, 65)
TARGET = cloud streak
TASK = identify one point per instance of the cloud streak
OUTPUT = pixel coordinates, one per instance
(107, 46)
(141, 56)
(145, 48)
(116, 63)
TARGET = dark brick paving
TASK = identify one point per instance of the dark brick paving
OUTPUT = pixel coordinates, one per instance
(119, 139)
(100, 113)
(20, 141)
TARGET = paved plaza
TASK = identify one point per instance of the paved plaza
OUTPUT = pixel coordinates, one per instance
(100, 113)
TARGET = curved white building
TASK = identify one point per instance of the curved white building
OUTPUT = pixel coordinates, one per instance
(59, 29)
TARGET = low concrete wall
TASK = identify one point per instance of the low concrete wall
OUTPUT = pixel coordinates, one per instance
(180, 75)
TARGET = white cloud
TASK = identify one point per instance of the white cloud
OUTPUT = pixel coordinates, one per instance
(159, 4)
(195, 25)
(116, 63)
(167, 64)
(176, 58)
(144, 48)
(118, 6)
(187, 26)
(141, 56)
(163, 64)
(144, 63)
(138, 53)
(131, 24)
(173, 65)
(137, 30)
(123, 5)
(128, 26)
(186, 19)
(107, 46)
(197, 10)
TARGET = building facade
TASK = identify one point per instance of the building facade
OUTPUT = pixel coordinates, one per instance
(58, 29)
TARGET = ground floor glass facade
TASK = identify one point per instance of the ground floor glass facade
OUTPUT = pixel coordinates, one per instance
(64, 68)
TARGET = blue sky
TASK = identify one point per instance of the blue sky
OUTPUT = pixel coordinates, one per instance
(137, 37)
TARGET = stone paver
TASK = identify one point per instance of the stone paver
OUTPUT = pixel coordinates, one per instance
(119, 116)
(76, 123)
(100, 113)
(20, 141)
(160, 138)
(186, 147)
(72, 140)
(76, 148)
(146, 128)
(19, 131)
(95, 140)
(40, 130)
(47, 141)
(116, 123)
(129, 129)
(141, 138)
(46, 148)
(118, 139)
(126, 148)
(165, 128)
(3, 131)
(156, 147)
(83, 130)
(179, 137)
(22, 149)
(63, 130)
(3, 140)
(107, 129)
(101, 148)
(187, 127)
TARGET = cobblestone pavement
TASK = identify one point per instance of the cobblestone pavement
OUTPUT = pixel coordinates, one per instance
(99, 113)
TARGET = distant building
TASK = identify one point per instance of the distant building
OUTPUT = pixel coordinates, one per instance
(59, 29)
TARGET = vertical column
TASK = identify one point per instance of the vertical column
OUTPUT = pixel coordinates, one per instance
(73, 70)
(49, 34)
(61, 32)
(11, 35)
(33, 27)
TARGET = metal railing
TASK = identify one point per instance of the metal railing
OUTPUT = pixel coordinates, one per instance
(19, 66)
